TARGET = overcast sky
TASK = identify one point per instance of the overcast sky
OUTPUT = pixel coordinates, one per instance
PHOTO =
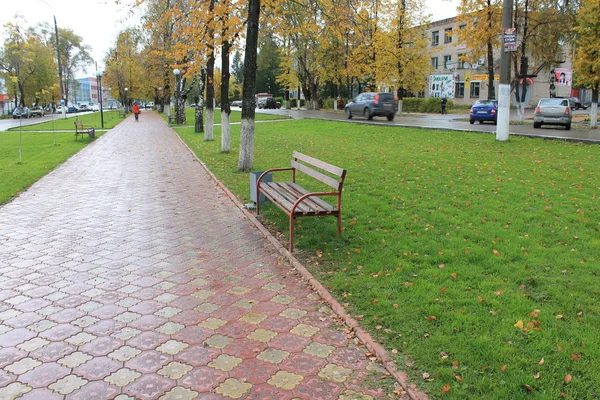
(99, 21)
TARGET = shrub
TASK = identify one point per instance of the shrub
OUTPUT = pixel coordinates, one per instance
(428, 105)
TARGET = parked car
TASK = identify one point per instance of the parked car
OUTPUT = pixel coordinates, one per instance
(38, 111)
(484, 110)
(261, 102)
(371, 105)
(72, 109)
(83, 107)
(94, 107)
(553, 111)
(21, 112)
(236, 103)
(150, 104)
(576, 104)
(271, 103)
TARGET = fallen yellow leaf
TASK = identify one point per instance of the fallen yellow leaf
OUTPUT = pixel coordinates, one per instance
(568, 378)
(519, 324)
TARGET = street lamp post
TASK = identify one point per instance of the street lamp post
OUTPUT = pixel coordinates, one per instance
(177, 106)
(126, 102)
(100, 97)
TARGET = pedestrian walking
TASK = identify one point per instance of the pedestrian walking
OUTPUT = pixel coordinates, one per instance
(443, 103)
(136, 110)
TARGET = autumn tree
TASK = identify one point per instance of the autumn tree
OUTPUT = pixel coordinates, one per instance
(481, 22)
(74, 55)
(28, 66)
(587, 53)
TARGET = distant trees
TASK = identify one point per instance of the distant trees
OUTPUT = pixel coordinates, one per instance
(28, 61)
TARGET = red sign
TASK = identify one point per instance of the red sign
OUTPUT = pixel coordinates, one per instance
(3, 97)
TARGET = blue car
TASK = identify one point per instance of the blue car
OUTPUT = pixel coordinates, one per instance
(484, 110)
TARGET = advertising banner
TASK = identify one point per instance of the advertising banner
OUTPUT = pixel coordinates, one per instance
(441, 86)
(563, 77)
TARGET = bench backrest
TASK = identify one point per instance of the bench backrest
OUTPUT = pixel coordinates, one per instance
(78, 124)
(303, 163)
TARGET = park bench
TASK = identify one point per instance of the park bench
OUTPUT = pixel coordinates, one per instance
(296, 201)
(81, 129)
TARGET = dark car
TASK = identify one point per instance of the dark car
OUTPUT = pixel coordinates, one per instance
(21, 112)
(72, 109)
(269, 102)
(37, 111)
(371, 105)
(576, 104)
(484, 110)
(553, 111)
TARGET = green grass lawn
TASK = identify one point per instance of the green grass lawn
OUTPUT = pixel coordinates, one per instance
(111, 119)
(39, 156)
(474, 262)
(235, 116)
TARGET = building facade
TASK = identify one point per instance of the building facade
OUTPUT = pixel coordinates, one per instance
(465, 83)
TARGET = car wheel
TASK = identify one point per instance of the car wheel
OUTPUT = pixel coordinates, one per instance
(348, 113)
(537, 125)
(390, 117)
(471, 121)
(568, 127)
(367, 114)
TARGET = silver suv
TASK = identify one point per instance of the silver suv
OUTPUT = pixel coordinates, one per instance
(37, 110)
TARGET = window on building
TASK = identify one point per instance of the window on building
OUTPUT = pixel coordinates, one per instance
(447, 62)
(459, 89)
(448, 35)
(475, 89)
(435, 38)
(434, 62)
(461, 27)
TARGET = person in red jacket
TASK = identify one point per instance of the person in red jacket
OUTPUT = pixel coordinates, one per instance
(136, 110)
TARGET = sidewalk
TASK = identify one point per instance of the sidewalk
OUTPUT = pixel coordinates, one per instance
(128, 273)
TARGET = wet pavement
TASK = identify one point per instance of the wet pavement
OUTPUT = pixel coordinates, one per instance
(128, 273)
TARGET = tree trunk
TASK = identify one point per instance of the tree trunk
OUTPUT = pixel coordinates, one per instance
(594, 109)
(490, 56)
(210, 84)
(225, 108)
(246, 156)
(199, 125)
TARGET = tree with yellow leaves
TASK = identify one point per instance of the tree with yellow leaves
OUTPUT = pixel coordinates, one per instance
(482, 23)
(587, 53)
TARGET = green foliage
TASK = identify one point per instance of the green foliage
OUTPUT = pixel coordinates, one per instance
(428, 105)
(451, 239)
(294, 103)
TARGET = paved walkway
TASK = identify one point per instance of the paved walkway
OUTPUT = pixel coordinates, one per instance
(127, 273)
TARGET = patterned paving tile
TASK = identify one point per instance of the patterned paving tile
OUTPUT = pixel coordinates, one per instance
(163, 301)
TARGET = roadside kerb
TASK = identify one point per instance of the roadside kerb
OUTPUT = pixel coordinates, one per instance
(411, 389)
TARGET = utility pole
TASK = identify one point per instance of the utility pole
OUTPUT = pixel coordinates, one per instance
(504, 87)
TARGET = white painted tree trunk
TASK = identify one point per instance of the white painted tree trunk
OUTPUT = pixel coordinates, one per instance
(225, 133)
(246, 155)
(210, 125)
(594, 115)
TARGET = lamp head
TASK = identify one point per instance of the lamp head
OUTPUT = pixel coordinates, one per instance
(99, 74)
(176, 72)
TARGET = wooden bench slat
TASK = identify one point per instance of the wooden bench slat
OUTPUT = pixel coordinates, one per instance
(319, 164)
(308, 206)
(317, 175)
(287, 196)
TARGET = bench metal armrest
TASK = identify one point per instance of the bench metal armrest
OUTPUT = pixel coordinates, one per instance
(272, 170)
(316, 194)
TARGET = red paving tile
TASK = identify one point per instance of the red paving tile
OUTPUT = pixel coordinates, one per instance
(160, 283)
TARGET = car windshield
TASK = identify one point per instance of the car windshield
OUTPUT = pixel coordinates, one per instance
(554, 102)
(484, 103)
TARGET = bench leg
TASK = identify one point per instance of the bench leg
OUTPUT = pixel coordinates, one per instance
(291, 233)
